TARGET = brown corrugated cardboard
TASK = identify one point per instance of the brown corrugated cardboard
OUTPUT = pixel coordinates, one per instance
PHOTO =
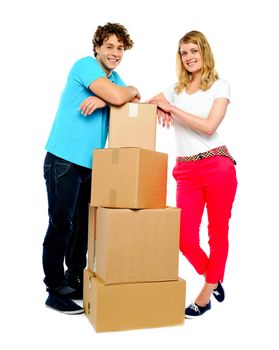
(134, 305)
(129, 178)
(91, 238)
(133, 125)
(137, 245)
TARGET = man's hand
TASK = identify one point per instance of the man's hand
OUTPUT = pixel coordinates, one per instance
(136, 100)
(137, 96)
(90, 104)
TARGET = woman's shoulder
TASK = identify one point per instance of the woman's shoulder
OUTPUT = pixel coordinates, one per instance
(221, 83)
(171, 88)
(221, 88)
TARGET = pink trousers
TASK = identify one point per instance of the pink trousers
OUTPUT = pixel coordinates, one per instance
(209, 182)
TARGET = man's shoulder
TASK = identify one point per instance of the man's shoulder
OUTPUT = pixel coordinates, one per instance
(87, 68)
(87, 60)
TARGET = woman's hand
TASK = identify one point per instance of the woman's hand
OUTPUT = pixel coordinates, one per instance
(164, 118)
(164, 106)
(163, 113)
(90, 104)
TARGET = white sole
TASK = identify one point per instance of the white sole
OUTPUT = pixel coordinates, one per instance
(76, 312)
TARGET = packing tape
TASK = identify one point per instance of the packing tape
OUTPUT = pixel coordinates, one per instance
(114, 156)
(133, 110)
(112, 197)
(90, 283)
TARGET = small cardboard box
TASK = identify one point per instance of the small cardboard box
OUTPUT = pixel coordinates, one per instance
(135, 245)
(133, 125)
(129, 178)
(133, 305)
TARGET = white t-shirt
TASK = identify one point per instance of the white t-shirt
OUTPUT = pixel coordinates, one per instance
(188, 141)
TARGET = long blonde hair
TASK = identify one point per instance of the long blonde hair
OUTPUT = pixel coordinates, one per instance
(209, 74)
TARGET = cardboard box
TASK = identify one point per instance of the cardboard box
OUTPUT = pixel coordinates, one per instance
(134, 305)
(135, 245)
(129, 178)
(91, 238)
(133, 125)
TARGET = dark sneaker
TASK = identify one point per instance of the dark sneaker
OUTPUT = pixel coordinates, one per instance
(76, 282)
(77, 294)
(63, 304)
(62, 290)
(219, 292)
(194, 310)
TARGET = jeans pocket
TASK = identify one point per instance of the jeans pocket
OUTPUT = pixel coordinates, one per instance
(61, 168)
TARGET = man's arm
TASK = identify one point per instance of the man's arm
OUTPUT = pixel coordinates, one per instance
(90, 104)
(112, 93)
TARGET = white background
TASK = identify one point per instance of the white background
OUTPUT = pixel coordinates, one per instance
(40, 40)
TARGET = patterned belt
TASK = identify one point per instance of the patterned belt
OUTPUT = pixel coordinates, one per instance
(219, 151)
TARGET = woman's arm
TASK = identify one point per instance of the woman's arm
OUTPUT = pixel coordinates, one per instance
(164, 118)
(205, 126)
(157, 98)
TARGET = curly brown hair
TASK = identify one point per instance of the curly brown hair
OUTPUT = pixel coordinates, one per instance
(104, 32)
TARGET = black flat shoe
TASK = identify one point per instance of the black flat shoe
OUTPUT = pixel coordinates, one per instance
(194, 310)
(219, 292)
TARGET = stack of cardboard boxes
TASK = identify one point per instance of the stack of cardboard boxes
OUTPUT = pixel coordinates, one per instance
(131, 280)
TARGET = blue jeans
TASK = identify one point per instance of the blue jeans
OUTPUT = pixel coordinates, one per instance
(68, 189)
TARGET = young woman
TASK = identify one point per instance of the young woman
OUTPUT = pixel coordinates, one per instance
(204, 170)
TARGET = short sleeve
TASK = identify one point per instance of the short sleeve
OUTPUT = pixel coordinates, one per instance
(87, 70)
(169, 93)
(222, 89)
(117, 80)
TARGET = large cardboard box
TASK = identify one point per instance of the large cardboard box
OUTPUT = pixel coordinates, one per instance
(91, 254)
(129, 178)
(133, 305)
(135, 245)
(133, 125)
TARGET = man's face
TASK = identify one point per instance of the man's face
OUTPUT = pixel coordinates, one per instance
(110, 53)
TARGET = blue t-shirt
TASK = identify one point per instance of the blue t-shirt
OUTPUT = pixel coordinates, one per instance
(73, 136)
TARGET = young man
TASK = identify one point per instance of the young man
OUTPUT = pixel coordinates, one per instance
(80, 126)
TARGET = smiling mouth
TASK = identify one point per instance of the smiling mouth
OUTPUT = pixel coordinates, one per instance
(113, 60)
(191, 63)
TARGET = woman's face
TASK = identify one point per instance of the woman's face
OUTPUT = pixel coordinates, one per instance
(191, 58)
